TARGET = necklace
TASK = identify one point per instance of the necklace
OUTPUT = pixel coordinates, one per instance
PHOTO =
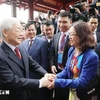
(77, 53)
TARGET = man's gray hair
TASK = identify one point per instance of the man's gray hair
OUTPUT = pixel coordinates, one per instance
(8, 23)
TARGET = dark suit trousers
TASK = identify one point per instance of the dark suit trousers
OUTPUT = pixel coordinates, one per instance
(61, 93)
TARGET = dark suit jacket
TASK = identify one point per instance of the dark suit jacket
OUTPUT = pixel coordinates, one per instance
(49, 44)
(97, 50)
(14, 73)
(54, 50)
(98, 36)
(38, 51)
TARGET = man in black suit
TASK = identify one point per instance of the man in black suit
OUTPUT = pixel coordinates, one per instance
(59, 50)
(49, 32)
(97, 50)
(15, 64)
(93, 22)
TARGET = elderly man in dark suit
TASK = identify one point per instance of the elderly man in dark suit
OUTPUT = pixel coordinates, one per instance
(59, 50)
(15, 64)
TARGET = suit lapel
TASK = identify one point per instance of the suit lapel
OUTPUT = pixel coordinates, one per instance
(34, 45)
(26, 44)
(57, 40)
(98, 36)
(12, 55)
(25, 61)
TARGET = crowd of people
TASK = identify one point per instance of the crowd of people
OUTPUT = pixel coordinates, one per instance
(53, 59)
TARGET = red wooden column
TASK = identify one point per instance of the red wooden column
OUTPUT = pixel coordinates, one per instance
(30, 6)
(13, 8)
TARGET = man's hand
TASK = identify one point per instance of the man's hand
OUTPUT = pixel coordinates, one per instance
(50, 76)
(77, 10)
(44, 81)
(53, 69)
(51, 85)
(47, 79)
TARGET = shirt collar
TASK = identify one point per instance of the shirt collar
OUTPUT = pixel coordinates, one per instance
(49, 40)
(67, 32)
(32, 38)
(11, 46)
(95, 31)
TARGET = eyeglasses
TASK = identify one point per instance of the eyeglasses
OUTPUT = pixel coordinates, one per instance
(72, 34)
(18, 30)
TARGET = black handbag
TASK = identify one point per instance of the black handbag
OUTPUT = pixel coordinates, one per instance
(91, 90)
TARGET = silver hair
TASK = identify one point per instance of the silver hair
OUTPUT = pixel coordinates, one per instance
(8, 23)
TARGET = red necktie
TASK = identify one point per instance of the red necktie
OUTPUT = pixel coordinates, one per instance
(18, 53)
(62, 42)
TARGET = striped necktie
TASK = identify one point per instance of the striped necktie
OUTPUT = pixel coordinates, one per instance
(17, 53)
(62, 42)
(30, 43)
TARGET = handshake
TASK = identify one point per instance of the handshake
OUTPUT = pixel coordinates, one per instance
(48, 81)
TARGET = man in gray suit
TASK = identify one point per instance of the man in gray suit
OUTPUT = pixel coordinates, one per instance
(59, 50)
(15, 64)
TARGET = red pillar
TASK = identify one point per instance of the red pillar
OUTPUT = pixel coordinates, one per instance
(13, 8)
(30, 6)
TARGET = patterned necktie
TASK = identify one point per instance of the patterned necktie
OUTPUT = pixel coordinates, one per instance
(17, 53)
(62, 42)
(60, 52)
(30, 43)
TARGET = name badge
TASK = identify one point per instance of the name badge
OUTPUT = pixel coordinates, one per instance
(60, 55)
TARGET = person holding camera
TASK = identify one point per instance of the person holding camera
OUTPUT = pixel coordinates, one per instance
(78, 12)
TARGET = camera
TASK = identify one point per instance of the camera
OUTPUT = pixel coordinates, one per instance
(75, 15)
(76, 5)
(72, 9)
(93, 6)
